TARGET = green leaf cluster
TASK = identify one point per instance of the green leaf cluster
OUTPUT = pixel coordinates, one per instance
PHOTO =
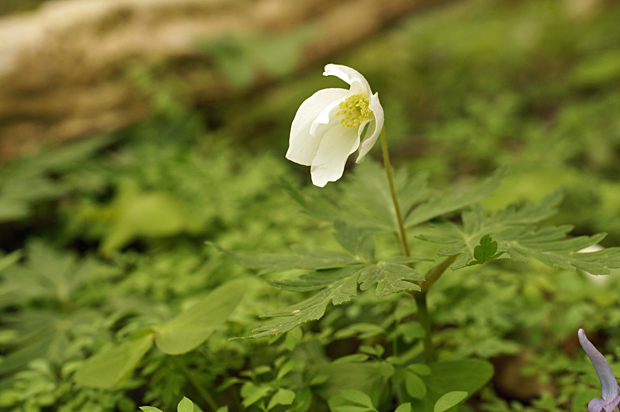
(336, 276)
(514, 233)
(353, 386)
(365, 201)
(532, 84)
(177, 336)
(27, 184)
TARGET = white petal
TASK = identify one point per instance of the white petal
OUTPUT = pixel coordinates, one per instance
(353, 77)
(335, 147)
(302, 144)
(327, 116)
(373, 134)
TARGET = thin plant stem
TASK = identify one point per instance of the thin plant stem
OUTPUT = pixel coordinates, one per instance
(434, 274)
(420, 297)
(204, 394)
(429, 351)
(402, 235)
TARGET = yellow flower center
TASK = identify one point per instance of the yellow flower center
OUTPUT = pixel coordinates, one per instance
(354, 110)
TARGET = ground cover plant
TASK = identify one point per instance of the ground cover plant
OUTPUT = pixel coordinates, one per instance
(134, 261)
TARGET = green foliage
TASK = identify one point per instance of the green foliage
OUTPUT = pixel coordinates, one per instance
(335, 274)
(516, 236)
(111, 366)
(185, 405)
(179, 335)
(28, 183)
(192, 327)
(62, 307)
(313, 308)
(356, 397)
(390, 277)
(485, 251)
(449, 400)
(472, 88)
(314, 259)
(60, 283)
(436, 206)
(452, 381)
(240, 59)
(365, 201)
(138, 214)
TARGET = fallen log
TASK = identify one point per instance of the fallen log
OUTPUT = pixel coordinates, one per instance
(64, 67)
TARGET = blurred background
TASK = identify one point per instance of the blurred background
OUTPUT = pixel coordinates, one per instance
(466, 85)
(131, 131)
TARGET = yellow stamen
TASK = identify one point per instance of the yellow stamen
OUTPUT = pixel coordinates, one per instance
(354, 110)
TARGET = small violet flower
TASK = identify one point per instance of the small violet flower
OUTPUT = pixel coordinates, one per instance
(609, 385)
(329, 125)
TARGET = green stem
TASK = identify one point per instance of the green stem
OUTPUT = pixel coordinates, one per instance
(429, 351)
(420, 298)
(431, 276)
(402, 235)
(434, 274)
(204, 394)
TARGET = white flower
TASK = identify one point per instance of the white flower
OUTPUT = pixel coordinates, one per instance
(329, 125)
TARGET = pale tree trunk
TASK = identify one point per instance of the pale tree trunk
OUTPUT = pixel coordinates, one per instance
(63, 67)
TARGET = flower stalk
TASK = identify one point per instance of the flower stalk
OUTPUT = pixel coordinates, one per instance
(402, 235)
(434, 273)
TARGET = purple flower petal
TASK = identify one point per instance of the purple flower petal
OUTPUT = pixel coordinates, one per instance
(609, 385)
(613, 404)
(596, 405)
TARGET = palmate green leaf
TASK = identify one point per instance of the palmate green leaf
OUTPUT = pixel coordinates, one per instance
(311, 259)
(314, 307)
(515, 234)
(29, 181)
(45, 274)
(40, 334)
(315, 280)
(20, 357)
(477, 220)
(550, 247)
(339, 286)
(358, 241)
(444, 204)
(389, 278)
(485, 251)
(365, 200)
(313, 204)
